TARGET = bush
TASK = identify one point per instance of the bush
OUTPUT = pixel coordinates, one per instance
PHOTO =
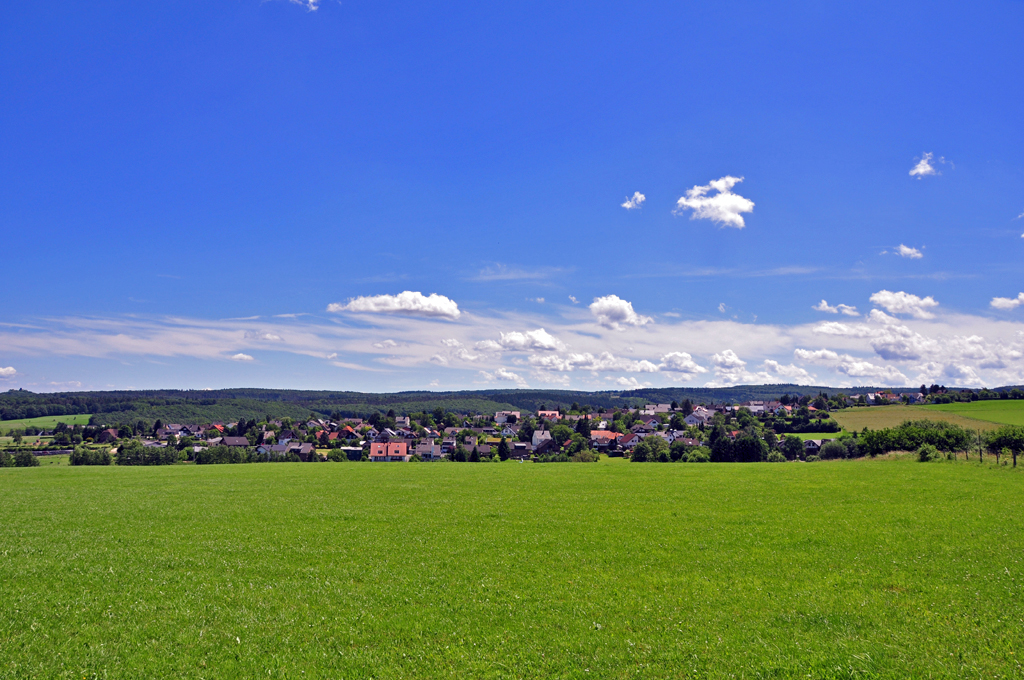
(132, 452)
(812, 459)
(6, 459)
(85, 456)
(697, 454)
(776, 457)
(832, 450)
(25, 459)
(585, 456)
(927, 453)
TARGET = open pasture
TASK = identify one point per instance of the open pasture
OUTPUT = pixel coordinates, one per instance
(847, 569)
(1001, 411)
(44, 422)
(878, 417)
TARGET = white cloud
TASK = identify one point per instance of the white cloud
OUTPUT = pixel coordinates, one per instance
(849, 310)
(878, 316)
(721, 307)
(905, 303)
(504, 375)
(451, 342)
(631, 383)
(585, 361)
(818, 356)
(908, 252)
(924, 166)
(386, 344)
(538, 339)
(434, 383)
(439, 360)
(613, 312)
(824, 307)
(637, 201)
(574, 300)
(731, 370)
(406, 302)
(7, 373)
(724, 207)
(262, 335)
(852, 366)
(1008, 303)
(727, 360)
(682, 364)
(310, 5)
(950, 373)
(241, 357)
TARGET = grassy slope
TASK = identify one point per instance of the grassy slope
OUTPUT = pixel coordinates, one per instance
(436, 570)
(877, 417)
(1007, 412)
(44, 422)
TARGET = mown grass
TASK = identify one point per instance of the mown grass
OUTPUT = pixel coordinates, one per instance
(44, 422)
(830, 570)
(878, 417)
(1004, 412)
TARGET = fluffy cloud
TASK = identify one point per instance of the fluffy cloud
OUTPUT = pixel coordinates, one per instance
(723, 207)
(503, 375)
(731, 370)
(631, 383)
(1008, 303)
(908, 252)
(7, 373)
(448, 342)
(905, 303)
(241, 357)
(924, 166)
(682, 364)
(539, 339)
(585, 361)
(407, 302)
(852, 366)
(613, 312)
(637, 201)
(848, 310)
(948, 373)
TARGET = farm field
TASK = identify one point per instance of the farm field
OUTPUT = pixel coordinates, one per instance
(812, 435)
(878, 417)
(1002, 411)
(858, 568)
(44, 422)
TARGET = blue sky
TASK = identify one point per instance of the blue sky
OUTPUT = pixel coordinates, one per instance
(382, 196)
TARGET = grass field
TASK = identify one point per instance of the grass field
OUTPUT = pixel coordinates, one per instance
(812, 435)
(611, 570)
(877, 417)
(44, 422)
(1005, 412)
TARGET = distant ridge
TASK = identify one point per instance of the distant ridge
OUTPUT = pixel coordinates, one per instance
(245, 402)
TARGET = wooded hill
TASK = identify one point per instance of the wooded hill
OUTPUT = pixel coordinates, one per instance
(232, 404)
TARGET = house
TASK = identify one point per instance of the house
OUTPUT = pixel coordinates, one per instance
(449, 445)
(700, 416)
(642, 427)
(510, 432)
(540, 436)
(234, 441)
(545, 446)
(429, 452)
(630, 440)
(602, 439)
(306, 452)
(106, 436)
(389, 452)
(506, 417)
(813, 446)
(402, 421)
(688, 441)
(520, 451)
(549, 415)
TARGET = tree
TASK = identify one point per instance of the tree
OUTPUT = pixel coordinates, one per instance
(561, 434)
(651, 449)
(475, 456)
(793, 447)
(1008, 437)
(503, 449)
(25, 459)
(583, 426)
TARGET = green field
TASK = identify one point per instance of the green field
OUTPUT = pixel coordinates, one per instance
(44, 422)
(812, 435)
(1003, 411)
(839, 570)
(878, 417)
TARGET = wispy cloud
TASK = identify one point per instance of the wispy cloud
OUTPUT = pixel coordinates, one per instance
(637, 201)
(310, 5)
(848, 310)
(723, 206)
(502, 272)
(407, 302)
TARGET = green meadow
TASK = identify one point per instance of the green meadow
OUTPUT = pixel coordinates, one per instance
(44, 422)
(884, 568)
(879, 417)
(1002, 411)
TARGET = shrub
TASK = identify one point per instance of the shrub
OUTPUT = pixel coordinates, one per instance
(812, 459)
(6, 459)
(85, 456)
(697, 454)
(585, 456)
(927, 453)
(25, 459)
(776, 457)
(832, 450)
